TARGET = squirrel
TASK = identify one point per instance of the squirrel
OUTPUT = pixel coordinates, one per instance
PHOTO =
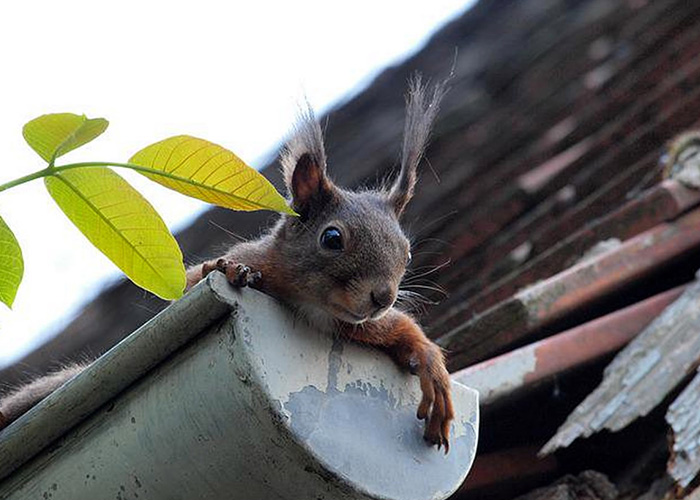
(339, 263)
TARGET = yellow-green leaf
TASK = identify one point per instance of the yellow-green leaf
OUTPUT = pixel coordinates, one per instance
(122, 225)
(209, 172)
(11, 264)
(56, 134)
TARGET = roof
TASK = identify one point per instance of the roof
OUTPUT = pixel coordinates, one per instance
(552, 230)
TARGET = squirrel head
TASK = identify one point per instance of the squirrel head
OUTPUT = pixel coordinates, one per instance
(346, 252)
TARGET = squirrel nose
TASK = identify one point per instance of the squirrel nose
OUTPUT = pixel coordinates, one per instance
(382, 297)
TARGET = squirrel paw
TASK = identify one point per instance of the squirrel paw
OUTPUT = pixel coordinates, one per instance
(436, 406)
(238, 275)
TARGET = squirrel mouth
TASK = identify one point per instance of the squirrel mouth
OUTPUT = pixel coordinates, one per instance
(350, 316)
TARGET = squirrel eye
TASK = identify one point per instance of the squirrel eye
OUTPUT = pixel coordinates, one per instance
(331, 239)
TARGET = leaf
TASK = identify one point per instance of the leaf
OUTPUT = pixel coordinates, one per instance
(122, 225)
(11, 264)
(209, 172)
(56, 134)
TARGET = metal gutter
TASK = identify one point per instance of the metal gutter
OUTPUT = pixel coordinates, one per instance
(223, 396)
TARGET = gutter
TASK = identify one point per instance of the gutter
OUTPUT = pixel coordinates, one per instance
(223, 396)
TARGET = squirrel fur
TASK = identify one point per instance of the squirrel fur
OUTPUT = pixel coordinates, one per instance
(339, 264)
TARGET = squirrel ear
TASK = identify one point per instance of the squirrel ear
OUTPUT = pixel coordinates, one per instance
(308, 183)
(303, 163)
(421, 109)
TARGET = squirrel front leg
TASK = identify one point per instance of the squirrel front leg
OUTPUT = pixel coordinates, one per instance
(400, 336)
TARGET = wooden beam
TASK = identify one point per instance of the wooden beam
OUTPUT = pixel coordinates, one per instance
(517, 371)
(574, 289)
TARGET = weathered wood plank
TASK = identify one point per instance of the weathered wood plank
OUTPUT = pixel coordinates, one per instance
(684, 418)
(642, 375)
(519, 370)
(539, 305)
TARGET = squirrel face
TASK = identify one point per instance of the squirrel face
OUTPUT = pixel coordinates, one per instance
(346, 253)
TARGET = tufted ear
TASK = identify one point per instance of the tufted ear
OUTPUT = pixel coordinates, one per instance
(309, 184)
(304, 164)
(422, 105)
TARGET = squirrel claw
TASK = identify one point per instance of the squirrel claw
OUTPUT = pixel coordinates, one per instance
(436, 405)
(238, 275)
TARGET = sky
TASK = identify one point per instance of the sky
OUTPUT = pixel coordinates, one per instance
(229, 72)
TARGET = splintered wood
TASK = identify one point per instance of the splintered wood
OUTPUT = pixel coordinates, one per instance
(684, 418)
(641, 375)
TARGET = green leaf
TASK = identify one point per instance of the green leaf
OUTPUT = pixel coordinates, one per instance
(11, 264)
(122, 225)
(208, 172)
(56, 134)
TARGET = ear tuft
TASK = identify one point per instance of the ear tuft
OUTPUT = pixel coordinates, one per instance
(304, 164)
(422, 106)
(306, 138)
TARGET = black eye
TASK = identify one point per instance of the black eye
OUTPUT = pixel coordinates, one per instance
(331, 239)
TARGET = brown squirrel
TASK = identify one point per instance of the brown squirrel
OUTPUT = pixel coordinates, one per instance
(339, 264)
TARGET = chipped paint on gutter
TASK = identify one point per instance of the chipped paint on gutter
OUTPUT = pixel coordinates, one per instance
(242, 402)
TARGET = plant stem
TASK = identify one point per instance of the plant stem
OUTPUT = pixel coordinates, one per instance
(35, 175)
(51, 170)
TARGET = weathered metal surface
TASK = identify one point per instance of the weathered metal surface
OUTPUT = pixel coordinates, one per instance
(253, 408)
(523, 368)
(130, 360)
(573, 289)
(642, 375)
(684, 418)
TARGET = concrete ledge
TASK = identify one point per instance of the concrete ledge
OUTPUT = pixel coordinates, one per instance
(244, 405)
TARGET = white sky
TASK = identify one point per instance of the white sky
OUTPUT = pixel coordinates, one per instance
(230, 72)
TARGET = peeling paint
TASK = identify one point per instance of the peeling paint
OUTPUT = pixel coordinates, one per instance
(317, 418)
(328, 422)
(496, 379)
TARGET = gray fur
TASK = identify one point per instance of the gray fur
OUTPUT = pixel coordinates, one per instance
(422, 106)
(306, 137)
(18, 402)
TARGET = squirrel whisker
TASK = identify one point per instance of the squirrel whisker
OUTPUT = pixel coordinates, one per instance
(431, 270)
